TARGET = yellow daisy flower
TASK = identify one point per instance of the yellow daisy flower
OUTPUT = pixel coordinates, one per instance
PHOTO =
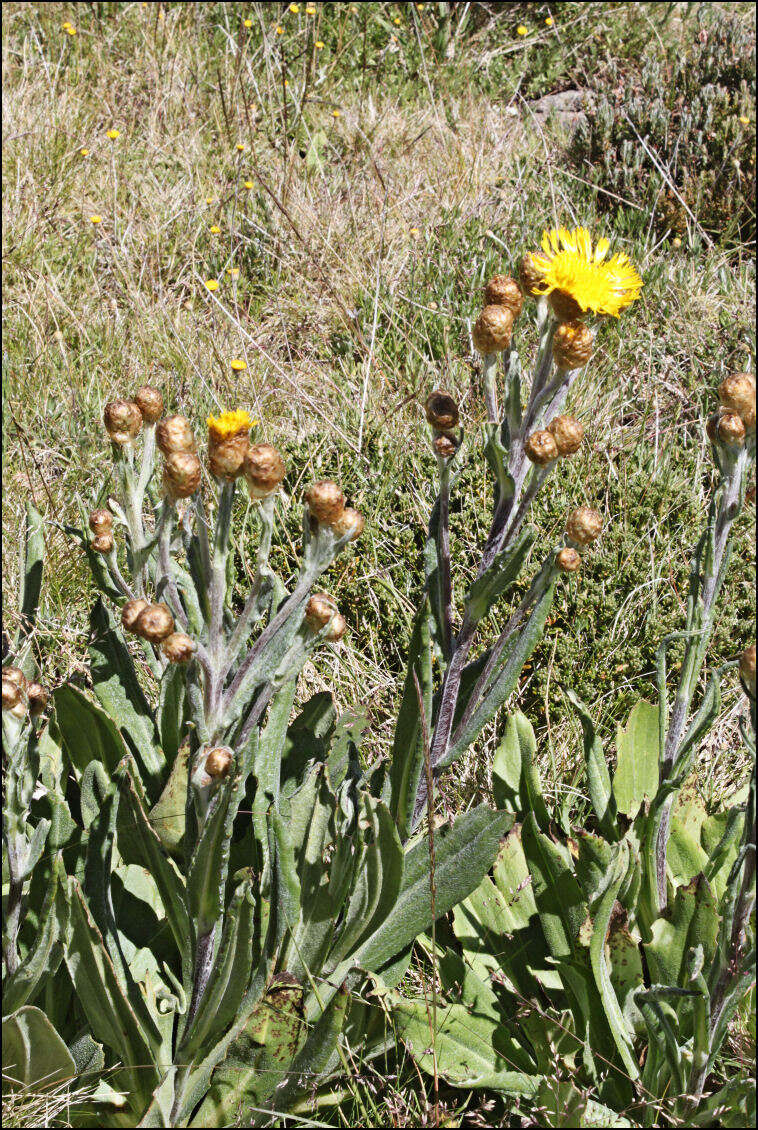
(745, 121)
(238, 365)
(569, 263)
(414, 232)
(96, 219)
(310, 10)
(70, 30)
(215, 229)
(279, 30)
(549, 21)
(249, 184)
(83, 152)
(521, 30)
(247, 23)
(113, 134)
(294, 8)
(241, 147)
(212, 284)
(336, 113)
(318, 44)
(230, 424)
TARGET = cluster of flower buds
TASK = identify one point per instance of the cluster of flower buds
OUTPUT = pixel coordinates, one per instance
(153, 622)
(181, 466)
(101, 525)
(326, 507)
(322, 614)
(123, 419)
(442, 414)
(735, 419)
(583, 526)
(503, 301)
(561, 438)
(20, 696)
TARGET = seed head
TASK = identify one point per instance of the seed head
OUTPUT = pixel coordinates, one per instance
(747, 669)
(264, 469)
(218, 762)
(130, 612)
(493, 329)
(38, 697)
(174, 435)
(441, 411)
(103, 543)
(445, 446)
(150, 403)
(731, 429)
(154, 623)
(541, 448)
(181, 475)
(349, 520)
(568, 560)
(123, 420)
(325, 502)
(572, 345)
(502, 290)
(101, 521)
(530, 276)
(13, 698)
(737, 394)
(178, 648)
(568, 434)
(584, 525)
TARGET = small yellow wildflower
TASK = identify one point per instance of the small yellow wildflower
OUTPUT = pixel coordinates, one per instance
(96, 219)
(745, 121)
(249, 184)
(113, 134)
(66, 25)
(241, 147)
(414, 232)
(279, 30)
(233, 271)
(570, 264)
(84, 152)
(676, 241)
(294, 8)
(70, 30)
(215, 229)
(336, 113)
(318, 44)
(247, 23)
(212, 284)
(209, 200)
(521, 30)
(549, 21)
(230, 424)
(238, 365)
(310, 10)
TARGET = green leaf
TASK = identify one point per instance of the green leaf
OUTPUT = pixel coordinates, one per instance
(561, 1104)
(464, 854)
(562, 908)
(636, 776)
(407, 761)
(206, 879)
(87, 733)
(34, 1055)
(519, 746)
(171, 708)
(598, 777)
(168, 816)
(502, 573)
(693, 921)
(44, 957)
(30, 574)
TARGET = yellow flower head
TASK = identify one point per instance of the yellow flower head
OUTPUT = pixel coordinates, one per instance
(521, 30)
(215, 229)
(336, 113)
(280, 30)
(241, 147)
(249, 184)
(294, 8)
(233, 271)
(745, 121)
(70, 30)
(212, 284)
(247, 23)
(113, 134)
(96, 219)
(318, 44)
(310, 10)
(229, 424)
(549, 21)
(238, 365)
(84, 152)
(569, 263)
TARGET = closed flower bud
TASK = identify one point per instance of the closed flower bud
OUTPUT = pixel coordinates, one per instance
(584, 525)
(349, 520)
(130, 612)
(336, 629)
(178, 648)
(747, 669)
(181, 475)
(572, 345)
(101, 521)
(493, 329)
(13, 698)
(174, 435)
(737, 394)
(228, 443)
(319, 611)
(38, 697)
(564, 306)
(445, 446)
(154, 623)
(102, 543)
(264, 469)
(325, 502)
(218, 762)
(15, 675)
(530, 277)
(731, 429)
(123, 420)
(441, 411)
(502, 290)
(568, 560)
(541, 448)
(150, 403)
(568, 434)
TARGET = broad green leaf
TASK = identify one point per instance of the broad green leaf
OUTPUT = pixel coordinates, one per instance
(46, 953)
(34, 1055)
(693, 921)
(636, 776)
(490, 586)
(206, 879)
(87, 733)
(407, 761)
(561, 1104)
(598, 777)
(169, 814)
(30, 575)
(560, 903)
(171, 707)
(520, 744)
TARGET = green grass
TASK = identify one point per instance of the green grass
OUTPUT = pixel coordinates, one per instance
(362, 246)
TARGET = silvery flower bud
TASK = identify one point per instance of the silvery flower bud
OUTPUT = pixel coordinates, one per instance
(502, 290)
(38, 697)
(572, 345)
(584, 525)
(130, 612)
(218, 762)
(178, 648)
(173, 435)
(325, 502)
(226, 457)
(731, 429)
(568, 434)
(568, 560)
(15, 675)
(493, 329)
(101, 521)
(564, 306)
(441, 411)
(181, 475)
(264, 470)
(747, 669)
(123, 421)
(541, 448)
(349, 519)
(14, 699)
(150, 403)
(154, 623)
(737, 394)
(445, 446)
(530, 277)
(103, 543)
